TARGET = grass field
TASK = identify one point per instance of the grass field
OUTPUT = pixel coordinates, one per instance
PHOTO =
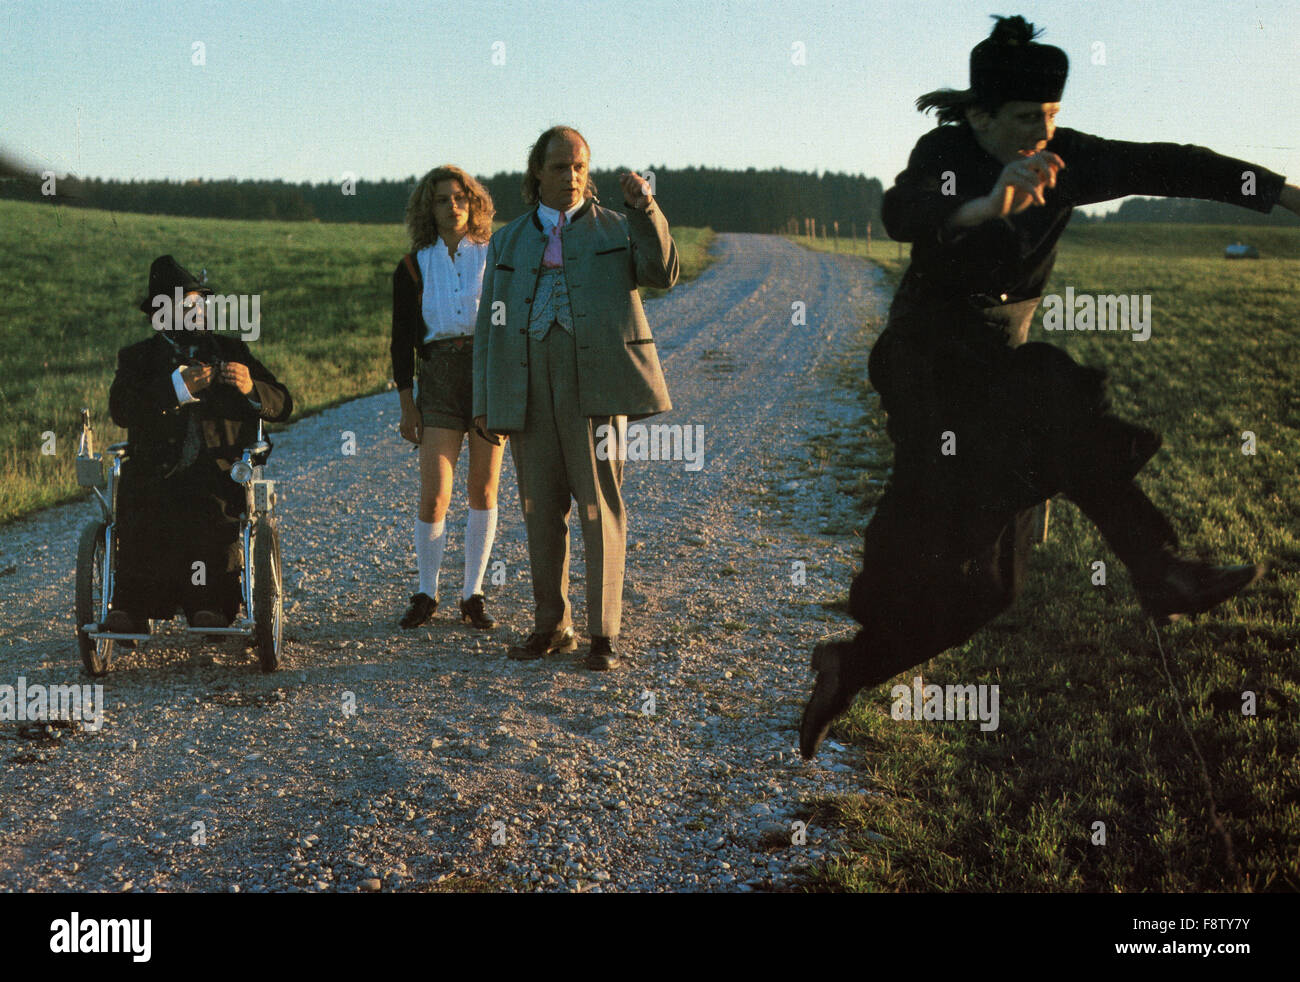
(1100, 721)
(889, 255)
(72, 280)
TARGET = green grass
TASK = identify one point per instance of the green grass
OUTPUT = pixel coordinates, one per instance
(889, 255)
(72, 281)
(1091, 727)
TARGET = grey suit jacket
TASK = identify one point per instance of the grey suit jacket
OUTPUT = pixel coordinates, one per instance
(606, 256)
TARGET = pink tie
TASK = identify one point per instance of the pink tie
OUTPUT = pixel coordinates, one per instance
(554, 256)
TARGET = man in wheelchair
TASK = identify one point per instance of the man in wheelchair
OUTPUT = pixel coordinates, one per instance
(190, 400)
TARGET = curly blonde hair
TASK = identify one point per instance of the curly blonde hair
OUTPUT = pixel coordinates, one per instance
(419, 209)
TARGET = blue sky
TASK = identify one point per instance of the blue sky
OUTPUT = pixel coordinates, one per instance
(310, 91)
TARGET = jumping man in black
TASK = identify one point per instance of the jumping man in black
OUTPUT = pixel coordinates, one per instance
(984, 426)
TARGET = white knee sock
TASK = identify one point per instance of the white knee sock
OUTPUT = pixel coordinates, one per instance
(480, 530)
(430, 538)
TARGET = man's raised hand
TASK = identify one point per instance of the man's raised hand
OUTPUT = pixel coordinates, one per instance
(1022, 183)
(636, 189)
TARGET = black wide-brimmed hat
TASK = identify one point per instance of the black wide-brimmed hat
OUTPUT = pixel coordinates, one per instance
(1009, 66)
(165, 275)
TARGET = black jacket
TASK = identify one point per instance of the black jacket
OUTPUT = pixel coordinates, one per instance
(143, 401)
(1014, 256)
(408, 320)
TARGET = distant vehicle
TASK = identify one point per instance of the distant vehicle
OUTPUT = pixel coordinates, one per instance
(1239, 251)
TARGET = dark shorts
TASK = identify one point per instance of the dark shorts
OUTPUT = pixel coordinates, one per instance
(445, 393)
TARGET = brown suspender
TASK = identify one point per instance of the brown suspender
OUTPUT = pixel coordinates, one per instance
(410, 268)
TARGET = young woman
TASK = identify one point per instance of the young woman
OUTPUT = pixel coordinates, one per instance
(435, 301)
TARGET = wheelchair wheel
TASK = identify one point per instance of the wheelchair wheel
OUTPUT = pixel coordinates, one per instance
(90, 598)
(268, 613)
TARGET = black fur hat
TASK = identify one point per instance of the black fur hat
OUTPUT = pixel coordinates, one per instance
(165, 275)
(1010, 66)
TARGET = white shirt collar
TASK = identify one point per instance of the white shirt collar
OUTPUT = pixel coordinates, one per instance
(550, 216)
(466, 244)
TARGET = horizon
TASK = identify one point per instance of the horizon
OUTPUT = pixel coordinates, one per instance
(310, 91)
(313, 92)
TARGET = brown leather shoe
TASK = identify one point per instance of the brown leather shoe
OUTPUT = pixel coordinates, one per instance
(830, 697)
(543, 643)
(1190, 587)
(602, 656)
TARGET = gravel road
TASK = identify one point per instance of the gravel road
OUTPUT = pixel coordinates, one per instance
(378, 759)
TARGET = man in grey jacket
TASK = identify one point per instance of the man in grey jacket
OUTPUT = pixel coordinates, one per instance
(562, 349)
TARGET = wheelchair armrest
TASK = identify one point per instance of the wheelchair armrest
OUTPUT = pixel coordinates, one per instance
(258, 451)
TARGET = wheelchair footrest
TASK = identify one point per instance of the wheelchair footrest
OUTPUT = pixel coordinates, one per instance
(93, 632)
(240, 628)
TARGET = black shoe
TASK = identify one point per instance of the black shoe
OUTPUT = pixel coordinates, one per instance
(208, 618)
(829, 699)
(121, 622)
(542, 643)
(602, 657)
(421, 609)
(1190, 587)
(471, 612)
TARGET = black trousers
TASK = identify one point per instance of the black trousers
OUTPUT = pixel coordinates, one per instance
(164, 528)
(983, 432)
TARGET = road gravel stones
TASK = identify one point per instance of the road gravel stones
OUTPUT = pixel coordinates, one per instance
(386, 760)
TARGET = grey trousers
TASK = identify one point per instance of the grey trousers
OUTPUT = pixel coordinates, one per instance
(555, 462)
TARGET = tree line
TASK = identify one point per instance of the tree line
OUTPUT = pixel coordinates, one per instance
(1195, 210)
(726, 200)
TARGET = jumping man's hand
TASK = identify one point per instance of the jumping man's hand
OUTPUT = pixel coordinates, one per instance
(1022, 183)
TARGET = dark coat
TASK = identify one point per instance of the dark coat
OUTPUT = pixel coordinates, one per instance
(143, 401)
(946, 361)
(1005, 261)
(947, 547)
(167, 519)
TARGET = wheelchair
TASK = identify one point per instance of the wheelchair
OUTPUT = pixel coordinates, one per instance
(262, 623)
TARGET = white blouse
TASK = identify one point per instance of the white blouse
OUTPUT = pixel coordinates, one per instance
(451, 288)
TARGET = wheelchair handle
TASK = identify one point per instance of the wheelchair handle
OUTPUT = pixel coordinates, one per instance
(87, 448)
